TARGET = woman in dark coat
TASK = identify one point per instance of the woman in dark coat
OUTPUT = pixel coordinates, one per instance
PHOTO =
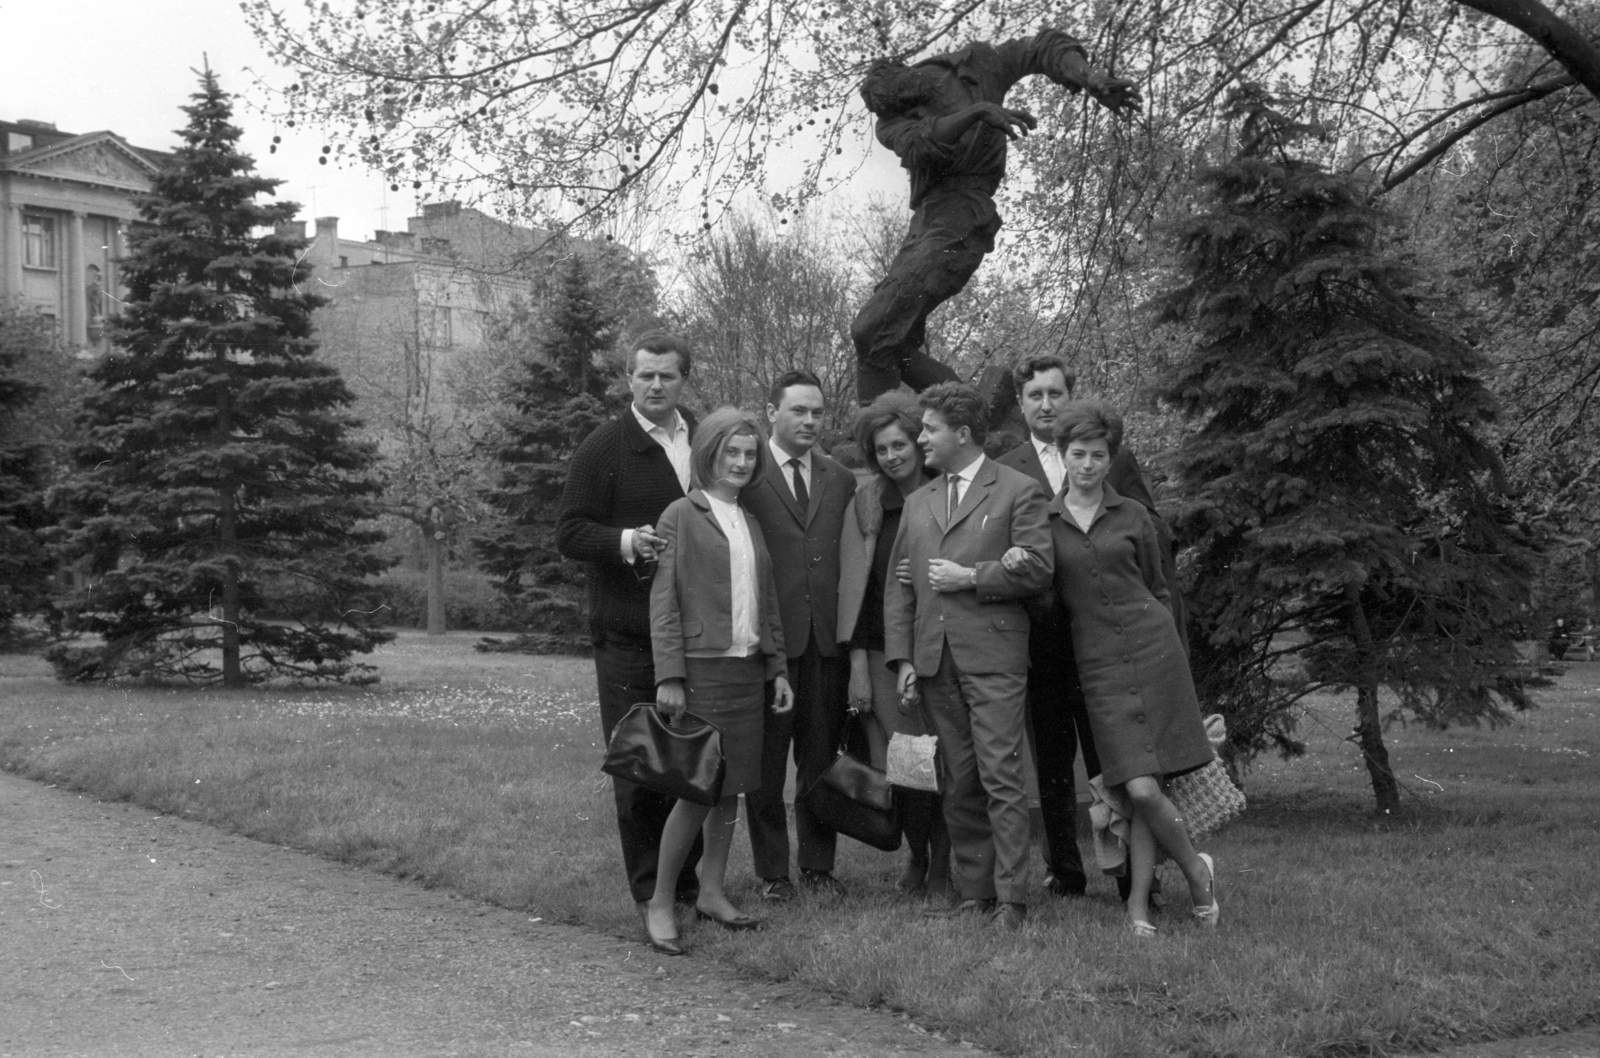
(716, 638)
(886, 434)
(1135, 673)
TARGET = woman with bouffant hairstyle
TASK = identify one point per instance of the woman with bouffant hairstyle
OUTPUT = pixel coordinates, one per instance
(886, 435)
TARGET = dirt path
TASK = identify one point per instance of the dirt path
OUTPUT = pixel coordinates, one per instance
(124, 932)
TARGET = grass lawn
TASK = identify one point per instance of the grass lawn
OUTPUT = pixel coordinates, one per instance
(1472, 916)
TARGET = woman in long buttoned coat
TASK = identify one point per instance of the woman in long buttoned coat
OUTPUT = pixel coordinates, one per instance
(1132, 665)
(716, 639)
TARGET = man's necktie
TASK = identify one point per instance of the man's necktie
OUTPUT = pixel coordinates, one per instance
(801, 496)
(1053, 470)
(952, 499)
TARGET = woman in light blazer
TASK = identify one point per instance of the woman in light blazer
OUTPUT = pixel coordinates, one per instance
(716, 639)
(886, 435)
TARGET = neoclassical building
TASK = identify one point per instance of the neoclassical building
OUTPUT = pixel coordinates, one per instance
(65, 203)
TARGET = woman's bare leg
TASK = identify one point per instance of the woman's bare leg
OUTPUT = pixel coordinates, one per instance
(1141, 870)
(718, 830)
(676, 839)
(1158, 813)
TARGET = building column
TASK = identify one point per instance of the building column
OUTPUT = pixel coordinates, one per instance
(76, 303)
(13, 249)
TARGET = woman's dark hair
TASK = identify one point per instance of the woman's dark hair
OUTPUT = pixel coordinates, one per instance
(712, 434)
(894, 408)
(1089, 420)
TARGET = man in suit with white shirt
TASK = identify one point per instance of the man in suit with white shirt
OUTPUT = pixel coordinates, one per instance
(1058, 720)
(959, 635)
(800, 501)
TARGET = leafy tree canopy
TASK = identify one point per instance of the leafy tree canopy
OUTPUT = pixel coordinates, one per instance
(562, 111)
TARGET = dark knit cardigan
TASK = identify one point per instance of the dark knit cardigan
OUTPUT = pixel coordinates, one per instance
(618, 479)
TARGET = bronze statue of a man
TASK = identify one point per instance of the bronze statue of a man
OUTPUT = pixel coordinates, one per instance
(945, 118)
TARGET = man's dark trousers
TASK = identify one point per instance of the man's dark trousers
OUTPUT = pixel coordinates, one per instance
(1057, 717)
(625, 676)
(816, 726)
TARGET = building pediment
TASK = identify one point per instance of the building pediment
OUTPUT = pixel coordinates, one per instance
(101, 159)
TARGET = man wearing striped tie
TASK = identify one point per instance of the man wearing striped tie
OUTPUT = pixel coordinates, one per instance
(958, 634)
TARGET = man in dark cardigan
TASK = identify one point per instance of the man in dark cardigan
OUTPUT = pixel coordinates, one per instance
(621, 478)
(1058, 721)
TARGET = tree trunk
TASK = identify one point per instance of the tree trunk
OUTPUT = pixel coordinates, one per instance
(1369, 723)
(1369, 737)
(435, 582)
(227, 531)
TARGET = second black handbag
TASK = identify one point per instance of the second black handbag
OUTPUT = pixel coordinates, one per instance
(682, 760)
(856, 800)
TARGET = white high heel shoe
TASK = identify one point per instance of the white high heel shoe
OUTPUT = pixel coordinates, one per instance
(1208, 916)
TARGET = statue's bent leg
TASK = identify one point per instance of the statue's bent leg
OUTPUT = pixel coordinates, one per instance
(933, 264)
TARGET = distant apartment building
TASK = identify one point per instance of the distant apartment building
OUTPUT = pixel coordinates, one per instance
(429, 293)
(411, 313)
(65, 204)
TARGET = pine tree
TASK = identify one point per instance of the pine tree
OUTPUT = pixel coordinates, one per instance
(558, 399)
(24, 570)
(216, 474)
(1338, 487)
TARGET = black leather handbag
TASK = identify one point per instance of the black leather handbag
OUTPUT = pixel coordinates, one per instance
(682, 760)
(856, 800)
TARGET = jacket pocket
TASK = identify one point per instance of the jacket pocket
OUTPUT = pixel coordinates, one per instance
(691, 629)
(1010, 622)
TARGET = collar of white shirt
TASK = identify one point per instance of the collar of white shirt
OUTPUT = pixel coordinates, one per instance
(679, 430)
(970, 471)
(783, 458)
(1043, 447)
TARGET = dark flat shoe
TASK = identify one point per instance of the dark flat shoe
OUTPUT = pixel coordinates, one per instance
(737, 924)
(666, 945)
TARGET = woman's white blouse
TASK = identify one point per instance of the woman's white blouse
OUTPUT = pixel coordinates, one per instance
(742, 566)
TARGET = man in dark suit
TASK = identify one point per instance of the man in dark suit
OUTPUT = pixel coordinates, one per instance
(622, 477)
(959, 633)
(1058, 721)
(800, 500)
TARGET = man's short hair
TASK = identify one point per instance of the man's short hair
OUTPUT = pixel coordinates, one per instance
(959, 405)
(891, 88)
(661, 343)
(795, 376)
(713, 432)
(894, 408)
(1089, 420)
(1023, 373)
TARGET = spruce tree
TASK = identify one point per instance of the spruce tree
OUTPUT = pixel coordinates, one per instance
(24, 570)
(216, 471)
(1343, 508)
(558, 398)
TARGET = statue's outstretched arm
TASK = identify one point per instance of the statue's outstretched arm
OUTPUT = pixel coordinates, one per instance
(1061, 57)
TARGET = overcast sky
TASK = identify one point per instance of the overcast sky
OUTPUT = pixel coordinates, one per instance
(127, 66)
